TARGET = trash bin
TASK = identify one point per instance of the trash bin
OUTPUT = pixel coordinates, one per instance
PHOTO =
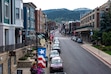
(46, 58)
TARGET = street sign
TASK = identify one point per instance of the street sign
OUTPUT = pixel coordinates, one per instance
(41, 57)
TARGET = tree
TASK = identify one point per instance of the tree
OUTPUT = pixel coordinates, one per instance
(106, 38)
(105, 22)
(95, 35)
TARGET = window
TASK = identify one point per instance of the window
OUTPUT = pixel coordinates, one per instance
(93, 16)
(28, 24)
(14, 60)
(17, 13)
(6, 10)
(9, 66)
(28, 12)
(21, 13)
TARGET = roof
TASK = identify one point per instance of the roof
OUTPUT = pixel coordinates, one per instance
(30, 4)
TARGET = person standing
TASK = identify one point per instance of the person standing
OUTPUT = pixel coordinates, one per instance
(33, 69)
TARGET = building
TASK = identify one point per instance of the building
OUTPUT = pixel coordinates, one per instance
(7, 22)
(11, 24)
(91, 21)
(72, 26)
(18, 21)
(40, 21)
(69, 27)
(29, 21)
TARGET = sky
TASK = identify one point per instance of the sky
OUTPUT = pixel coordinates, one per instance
(69, 4)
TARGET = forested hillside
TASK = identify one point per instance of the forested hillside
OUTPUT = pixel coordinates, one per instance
(65, 14)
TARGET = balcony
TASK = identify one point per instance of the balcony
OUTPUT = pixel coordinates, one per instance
(15, 46)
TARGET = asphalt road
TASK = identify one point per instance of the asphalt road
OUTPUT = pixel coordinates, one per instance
(76, 60)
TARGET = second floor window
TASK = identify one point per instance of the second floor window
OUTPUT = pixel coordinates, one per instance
(17, 13)
(6, 10)
(21, 14)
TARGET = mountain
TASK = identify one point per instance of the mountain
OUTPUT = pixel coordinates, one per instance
(65, 14)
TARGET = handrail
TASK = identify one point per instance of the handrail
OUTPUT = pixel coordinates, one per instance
(12, 47)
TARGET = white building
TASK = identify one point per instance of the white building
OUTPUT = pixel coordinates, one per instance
(18, 21)
(10, 21)
(7, 22)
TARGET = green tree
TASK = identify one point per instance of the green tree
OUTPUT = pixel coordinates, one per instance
(106, 38)
(95, 35)
(105, 22)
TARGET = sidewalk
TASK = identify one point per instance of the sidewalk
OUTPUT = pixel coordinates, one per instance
(102, 56)
(47, 54)
(27, 70)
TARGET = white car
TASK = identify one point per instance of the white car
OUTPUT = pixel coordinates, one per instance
(55, 45)
(56, 65)
(57, 41)
(53, 53)
(74, 38)
(57, 48)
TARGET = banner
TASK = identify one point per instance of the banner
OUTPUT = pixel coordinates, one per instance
(41, 57)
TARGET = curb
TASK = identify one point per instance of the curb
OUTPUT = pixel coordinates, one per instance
(102, 59)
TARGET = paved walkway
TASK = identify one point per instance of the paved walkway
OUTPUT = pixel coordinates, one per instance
(104, 57)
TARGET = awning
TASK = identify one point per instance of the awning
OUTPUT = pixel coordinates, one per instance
(83, 29)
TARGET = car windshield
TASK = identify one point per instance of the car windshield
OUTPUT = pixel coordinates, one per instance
(54, 52)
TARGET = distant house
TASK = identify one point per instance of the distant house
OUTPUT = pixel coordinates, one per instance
(29, 20)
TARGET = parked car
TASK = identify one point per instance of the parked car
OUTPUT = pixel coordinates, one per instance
(79, 40)
(56, 65)
(53, 53)
(57, 41)
(55, 45)
(74, 38)
(55, 38)
(57, 48)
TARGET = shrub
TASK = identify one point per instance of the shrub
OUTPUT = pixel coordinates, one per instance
(23, 58)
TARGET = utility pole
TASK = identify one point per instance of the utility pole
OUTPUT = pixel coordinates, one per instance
(36, 48)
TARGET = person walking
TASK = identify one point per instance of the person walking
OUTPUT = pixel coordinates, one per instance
(33, 69)
(39, 70)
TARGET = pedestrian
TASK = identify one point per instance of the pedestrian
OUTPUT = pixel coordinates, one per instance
(39, 70)
(33, 69)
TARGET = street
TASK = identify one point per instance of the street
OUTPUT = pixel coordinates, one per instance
(76, 60)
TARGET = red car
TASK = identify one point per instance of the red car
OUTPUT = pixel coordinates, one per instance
(56, 65)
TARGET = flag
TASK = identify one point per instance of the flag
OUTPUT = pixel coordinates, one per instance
(41, 57)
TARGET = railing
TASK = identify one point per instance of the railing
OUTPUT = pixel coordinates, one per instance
(15, 46)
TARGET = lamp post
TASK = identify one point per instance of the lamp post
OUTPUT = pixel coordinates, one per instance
(46, 27)
(36, 48)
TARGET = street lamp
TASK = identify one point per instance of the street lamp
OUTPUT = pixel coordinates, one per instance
(45, 16)
(36, 48)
